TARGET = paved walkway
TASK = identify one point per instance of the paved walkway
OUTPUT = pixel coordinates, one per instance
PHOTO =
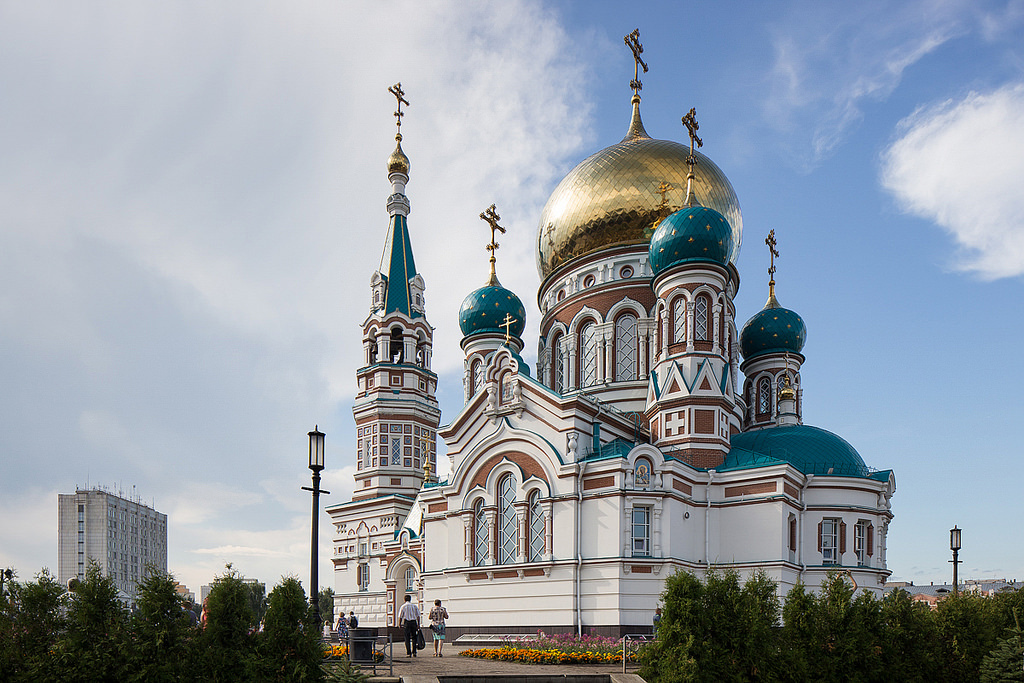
(451, 664)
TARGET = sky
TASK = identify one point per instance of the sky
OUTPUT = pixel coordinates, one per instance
(193, 200)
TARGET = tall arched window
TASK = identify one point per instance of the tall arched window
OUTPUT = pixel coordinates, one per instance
(397, 346)
(410, 579)
(536, 527)
(764, 396)
(679, 320)
(508, 537)
(700, 319)
(478, 376)
(557, 365)
(625, 348)
(479, 534)
(588, 355)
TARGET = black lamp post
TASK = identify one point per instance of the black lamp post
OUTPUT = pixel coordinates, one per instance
(954, 545)
(316, 463)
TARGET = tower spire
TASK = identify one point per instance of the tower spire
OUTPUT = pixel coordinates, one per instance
(491, 217)
(636, 126)
(692, 126)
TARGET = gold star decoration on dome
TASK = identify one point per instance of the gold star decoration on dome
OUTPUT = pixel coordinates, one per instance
(399, 94)
(632, 41)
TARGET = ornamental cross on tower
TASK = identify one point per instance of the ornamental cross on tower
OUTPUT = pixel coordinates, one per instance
(633, 43)
(690, 121)
(507, 323)
(491, 217)
(770, 241)
(399, 94)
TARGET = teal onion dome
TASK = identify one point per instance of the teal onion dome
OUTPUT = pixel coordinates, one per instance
(809, 449)
(692, 234)
(485, 309)
(773, 329)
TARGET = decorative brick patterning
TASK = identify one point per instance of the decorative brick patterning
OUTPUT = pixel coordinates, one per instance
(598, 483)
(750, 489)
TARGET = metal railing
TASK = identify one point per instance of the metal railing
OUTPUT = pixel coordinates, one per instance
(639, 639)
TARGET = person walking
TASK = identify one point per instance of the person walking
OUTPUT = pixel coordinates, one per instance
(409, 618)
(342, 627)
(437, 616)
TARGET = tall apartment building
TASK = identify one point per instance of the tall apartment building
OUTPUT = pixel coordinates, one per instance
(127, 539)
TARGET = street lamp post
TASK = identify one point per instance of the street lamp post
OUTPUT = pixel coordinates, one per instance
(316, 464)
(954, 545)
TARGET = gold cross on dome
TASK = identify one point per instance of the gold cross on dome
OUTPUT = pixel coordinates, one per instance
(633, 43)
(399, 94)
(491, 217)
(663, 188)
(507, 323)
(547, 233)
(690, 121)
(774, 254)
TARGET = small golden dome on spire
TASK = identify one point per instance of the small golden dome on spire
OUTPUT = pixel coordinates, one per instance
(398, 162)
(787, 392)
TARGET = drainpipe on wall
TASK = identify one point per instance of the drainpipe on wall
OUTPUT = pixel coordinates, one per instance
(580, 466)
(800, 526)
(707, 521)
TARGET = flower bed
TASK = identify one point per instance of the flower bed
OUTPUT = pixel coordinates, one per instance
(557, 649)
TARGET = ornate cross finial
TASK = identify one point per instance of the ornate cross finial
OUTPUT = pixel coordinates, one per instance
(491, 217)
(507, 323)
(399, 94)
(770, 241)
(633, 43)
(690, 121)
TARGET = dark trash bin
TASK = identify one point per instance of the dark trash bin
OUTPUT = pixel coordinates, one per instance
(360, 645)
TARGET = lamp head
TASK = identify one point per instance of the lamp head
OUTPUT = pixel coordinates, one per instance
(954, 538)
(316, 449)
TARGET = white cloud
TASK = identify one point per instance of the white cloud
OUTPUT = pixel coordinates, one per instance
(959, 164)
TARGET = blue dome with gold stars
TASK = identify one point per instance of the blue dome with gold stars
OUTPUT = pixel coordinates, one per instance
(485, 309)
(773, 329)
(692, 234)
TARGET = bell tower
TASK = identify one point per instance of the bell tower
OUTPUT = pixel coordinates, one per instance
(395, 410)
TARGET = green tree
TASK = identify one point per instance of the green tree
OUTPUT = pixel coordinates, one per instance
(715, 630)
(257, 599)
(910, 643)
(30, 621)
(969, 626)
(225, 646)
(97, 632)
(289, 647)
(1005, 663)
(325, 600)
(162, 633)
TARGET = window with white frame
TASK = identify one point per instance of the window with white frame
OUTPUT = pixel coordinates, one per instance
(588, 355)
(679, 320)
(478, 376)
(558, 365)
(828, 540)
(700, 319)
(536, 527)
(625, 348)
(479, 534)
(764, 396)
(410, 579)
(364, 576)
(860, 542)
(508, 522)
(396, 450)
(641, 531)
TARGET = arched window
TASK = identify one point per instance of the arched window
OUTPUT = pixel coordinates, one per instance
(508, 538)
(764, 396)
(642, 473)
(557, 365)
(479, 534)
(700, 319)
(410, 579)
(679, 320)
(536, 527)
(588, 355)
(477, 376)
(397, 349)
(625, 348)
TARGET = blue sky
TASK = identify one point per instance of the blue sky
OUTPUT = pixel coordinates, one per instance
(192, 200)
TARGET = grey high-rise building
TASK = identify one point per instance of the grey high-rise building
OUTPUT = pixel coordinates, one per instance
(126, 539)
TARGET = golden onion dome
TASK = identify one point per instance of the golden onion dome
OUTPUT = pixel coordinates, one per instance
(619, 195)
(398, 162)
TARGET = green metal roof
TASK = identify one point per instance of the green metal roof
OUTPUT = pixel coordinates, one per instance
(809, 449)
(773, 329)
(485, 309)
(401, 269)
(696, 233)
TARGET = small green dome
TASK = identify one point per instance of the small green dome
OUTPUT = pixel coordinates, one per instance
(695, 233)
(485, 309)
(773, 329)
(809, 449)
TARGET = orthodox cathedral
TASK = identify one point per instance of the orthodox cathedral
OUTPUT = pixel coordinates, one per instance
(654, 435)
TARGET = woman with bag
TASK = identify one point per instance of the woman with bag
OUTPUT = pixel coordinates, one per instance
(437, 616)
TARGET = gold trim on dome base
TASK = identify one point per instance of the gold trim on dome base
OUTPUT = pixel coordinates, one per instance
(618, 196)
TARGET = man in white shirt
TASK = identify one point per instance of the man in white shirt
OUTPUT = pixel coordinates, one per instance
(409, 619)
